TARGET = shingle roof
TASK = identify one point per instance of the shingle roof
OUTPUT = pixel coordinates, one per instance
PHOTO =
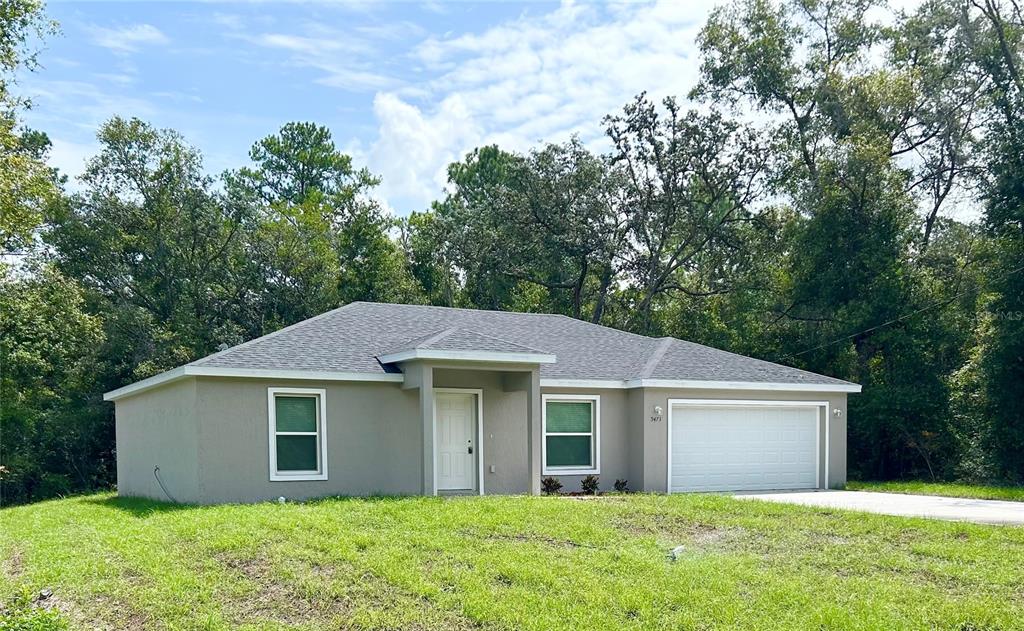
(350, 339)
(458, 339)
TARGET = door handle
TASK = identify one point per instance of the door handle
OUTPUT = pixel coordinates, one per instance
(469, 449)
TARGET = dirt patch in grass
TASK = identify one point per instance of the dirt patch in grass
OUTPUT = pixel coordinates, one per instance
(107, 614)
(14, 565)
(100, 612)
(326, 595)
(271, 598)
(682, 531)
(535, 538)
(706, 535)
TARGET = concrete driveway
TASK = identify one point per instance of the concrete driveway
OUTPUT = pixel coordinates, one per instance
(950, 508)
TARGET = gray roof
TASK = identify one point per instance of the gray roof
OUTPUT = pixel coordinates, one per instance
(457, 339)
(350, 339)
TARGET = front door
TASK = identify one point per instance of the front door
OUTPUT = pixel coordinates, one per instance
(456, 444)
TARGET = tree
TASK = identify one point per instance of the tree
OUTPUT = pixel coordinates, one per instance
(148, 234)
(550, 218)
(26, 184)
(314, 237)
(850, 116)
(425, 241)
(55, 436)
(999, 37)
(692, 186)
(817, 63)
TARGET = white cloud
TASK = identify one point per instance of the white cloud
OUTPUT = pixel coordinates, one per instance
(345, 61)
(230, 21)
(413, 149)
(82, 105)
(120, 79)
(128, 39)
(532, 79)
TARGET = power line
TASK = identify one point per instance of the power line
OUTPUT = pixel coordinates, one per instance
(894, 320)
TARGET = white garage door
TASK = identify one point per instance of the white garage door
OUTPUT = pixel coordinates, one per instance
(743, 447)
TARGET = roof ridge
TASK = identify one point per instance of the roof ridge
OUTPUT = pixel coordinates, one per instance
(442, 307)
(659, 352)
(272, 334)
(420, 340)
(436, 337)
(525, 313)
(504, 341)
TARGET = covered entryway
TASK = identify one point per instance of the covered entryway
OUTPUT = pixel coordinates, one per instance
(456, 429)
(727, 445)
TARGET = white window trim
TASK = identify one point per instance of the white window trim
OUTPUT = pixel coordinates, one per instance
(596, 434)
(321, 435)
(822, 419)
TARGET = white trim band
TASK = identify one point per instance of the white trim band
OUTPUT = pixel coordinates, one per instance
(323, 375)
(209, 371)
(472, 356)
(625, 384)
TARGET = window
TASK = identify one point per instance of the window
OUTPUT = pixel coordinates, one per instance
(571, 434)
(298, 434)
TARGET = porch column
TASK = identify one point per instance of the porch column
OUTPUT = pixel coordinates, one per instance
(533, 432)
(427, 423)
(419, 375)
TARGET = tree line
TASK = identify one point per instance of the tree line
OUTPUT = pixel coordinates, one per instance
(800, 205)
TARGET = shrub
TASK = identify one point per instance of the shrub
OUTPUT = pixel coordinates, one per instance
(550, 486)
(621, 486)
(589, 485)
(23, 613)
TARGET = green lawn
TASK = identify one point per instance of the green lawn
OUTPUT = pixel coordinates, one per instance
(509, 563)
(979, 491)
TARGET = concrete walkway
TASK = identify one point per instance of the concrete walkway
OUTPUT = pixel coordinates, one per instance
(950, 508)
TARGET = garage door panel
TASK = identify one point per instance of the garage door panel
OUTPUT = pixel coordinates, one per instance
(743, 447)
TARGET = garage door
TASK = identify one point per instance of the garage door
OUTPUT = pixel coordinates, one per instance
(742, 447)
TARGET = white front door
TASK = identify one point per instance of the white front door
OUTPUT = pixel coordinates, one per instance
(456, 444)
(743, 447)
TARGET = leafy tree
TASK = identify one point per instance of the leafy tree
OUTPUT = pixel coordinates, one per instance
(314, 237)
(999, 33)
(848, 120)
(550, 218)
(149, 234)
(473, 220)
(54, 432)
(27, 184)
(693, 183)
(424, 241)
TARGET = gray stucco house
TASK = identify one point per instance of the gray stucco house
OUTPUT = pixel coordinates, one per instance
(400, 399)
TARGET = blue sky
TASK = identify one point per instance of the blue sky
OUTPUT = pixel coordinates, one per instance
(404, 87)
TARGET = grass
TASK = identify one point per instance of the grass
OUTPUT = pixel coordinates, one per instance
(977, 491)
(509, 563)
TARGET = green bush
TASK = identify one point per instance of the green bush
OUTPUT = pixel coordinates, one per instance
(550, 486)
(589, 485)
(23, 613)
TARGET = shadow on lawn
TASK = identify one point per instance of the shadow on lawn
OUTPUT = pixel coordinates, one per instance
(137, 506)
(142, 507)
